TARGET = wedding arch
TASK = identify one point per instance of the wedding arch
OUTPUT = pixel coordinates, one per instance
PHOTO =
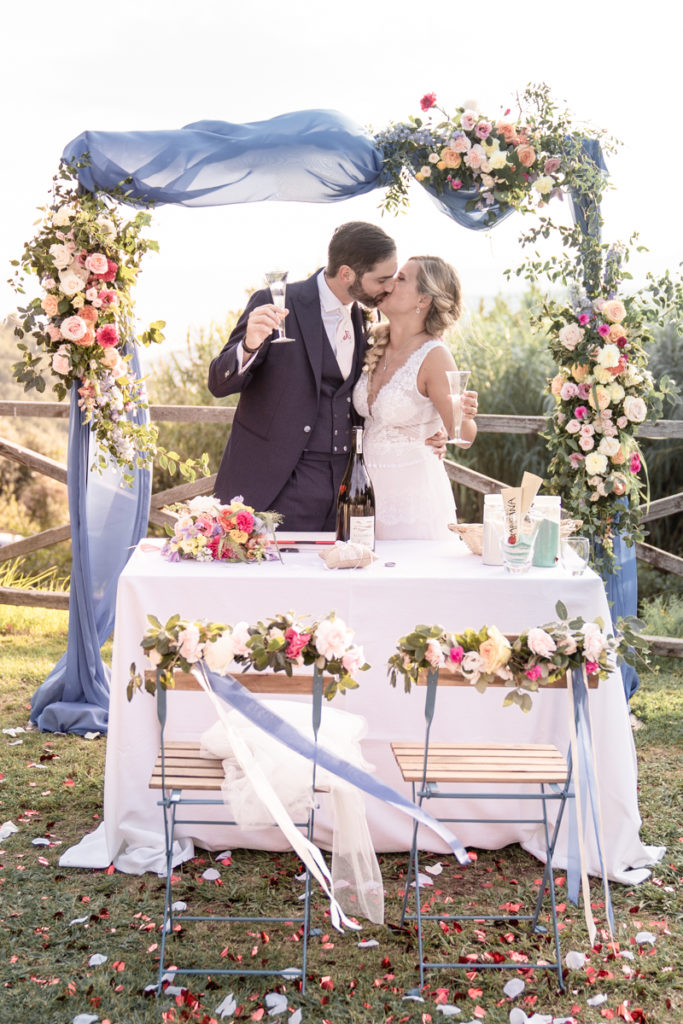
(478, 171)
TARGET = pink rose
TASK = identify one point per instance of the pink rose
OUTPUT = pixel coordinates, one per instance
(110, 274)
(74, 328)
(614, 310)
(456, 655)
(108, 298)
(584, 391)
(469, 119)
(635, 408)
(594, 642)
(476, 159)
(455, 183)
(586, 443)
(460, 143)
(622, 422)
(240, 636)
(91, 294)
(428, 101)
(526, 155)
(88, 314)
(603, 330)
(552, 164)
(587, 429)
(483, 129)
(113, 361)
(434, 655)
(97, 264)
(575, 460)
(353, 660)
(60, 363)
(592, 667)
(570, 336)
(581, 412)
(332, 638)
(295, 642)
(634, 463)
(244, 521)
(568, 390)
(573, 427)
(61, 256)
(54, 332)
(584, 319)
(534, 673)
(107, 336)
(189, 646)
(541, 643)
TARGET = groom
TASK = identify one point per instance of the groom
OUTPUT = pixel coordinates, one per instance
(291, 436)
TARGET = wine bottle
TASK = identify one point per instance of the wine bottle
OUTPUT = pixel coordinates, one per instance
(356, 498)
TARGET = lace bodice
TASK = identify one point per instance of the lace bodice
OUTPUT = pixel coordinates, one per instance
(399, 415)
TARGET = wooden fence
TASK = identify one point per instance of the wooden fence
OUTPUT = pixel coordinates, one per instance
(662, 429)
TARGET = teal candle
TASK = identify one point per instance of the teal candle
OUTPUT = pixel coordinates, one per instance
(547, 540)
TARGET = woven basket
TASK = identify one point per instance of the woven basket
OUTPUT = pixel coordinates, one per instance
(471, 533)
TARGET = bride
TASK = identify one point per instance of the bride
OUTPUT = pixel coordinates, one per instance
(403, 396)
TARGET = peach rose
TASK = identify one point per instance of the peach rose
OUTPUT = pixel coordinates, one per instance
(570, 336)
(50, 305)
(526, 155)
(508, 131)
(619, 458)
(494, 652)
(556, 385)
(619, 484)
(616, 331)
(450, 158)
(579, 372)
(614, 310)
(89, 314)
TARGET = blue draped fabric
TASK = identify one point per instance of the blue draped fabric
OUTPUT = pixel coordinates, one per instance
(585, 210)
(622, 593)
(107, 521)
(454, 205)
(312, 156)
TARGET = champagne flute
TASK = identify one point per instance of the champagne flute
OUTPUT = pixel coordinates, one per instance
(457, 383)
(277, 282)
(575, 554)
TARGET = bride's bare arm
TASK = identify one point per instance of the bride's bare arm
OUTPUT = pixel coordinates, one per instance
(433, 383)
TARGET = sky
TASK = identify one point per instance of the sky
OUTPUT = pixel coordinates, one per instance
(152, 64)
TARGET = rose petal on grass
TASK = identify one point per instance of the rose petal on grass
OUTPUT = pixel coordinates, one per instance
(422, 880)
(448, 1010)
(96, 959)
(91, 735)
(514, 988)
(79, 920)
(210, 875)
(85, 1018)
(227, 1007)
(642, 937)
(225, 855)
(15, 743)
(574, 960)
(296, 1017)
(179, 906)
(7, 829)
(596, 1000)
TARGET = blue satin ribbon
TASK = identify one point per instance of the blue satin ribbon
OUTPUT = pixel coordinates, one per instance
(234, 694)
(588, 793)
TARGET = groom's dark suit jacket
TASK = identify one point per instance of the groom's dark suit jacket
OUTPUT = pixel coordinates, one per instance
(281, 391)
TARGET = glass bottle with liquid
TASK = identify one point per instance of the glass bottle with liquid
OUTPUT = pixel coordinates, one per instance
(356, 498)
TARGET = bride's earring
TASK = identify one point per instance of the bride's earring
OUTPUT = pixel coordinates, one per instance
(418, 310)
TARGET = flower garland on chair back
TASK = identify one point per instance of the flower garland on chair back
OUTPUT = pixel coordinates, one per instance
(538, 657)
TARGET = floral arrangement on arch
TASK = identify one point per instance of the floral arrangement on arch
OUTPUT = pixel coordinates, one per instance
(520, 162)
(603, 392)
(538, 657)
(87, 258)
(279, 644)
(207, 531)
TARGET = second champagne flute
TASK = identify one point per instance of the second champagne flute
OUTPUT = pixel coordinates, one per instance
(277, 282)
(457, 383)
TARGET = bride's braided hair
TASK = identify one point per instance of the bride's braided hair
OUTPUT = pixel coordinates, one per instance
(439, 281)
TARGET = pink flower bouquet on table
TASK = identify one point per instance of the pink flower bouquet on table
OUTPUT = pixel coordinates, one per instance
(280, 644)
(207, 531)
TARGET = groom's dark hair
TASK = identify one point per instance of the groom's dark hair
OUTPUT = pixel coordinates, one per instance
(358, 245)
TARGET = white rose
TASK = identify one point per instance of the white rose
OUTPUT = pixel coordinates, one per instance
(635, 409)
(63, 216)
(61, 256)
(497, 159)
(544, 185)
(107, 226)
(609, 446)
(70, 282)
(594, 640)
(472, 665)
(595, 463)
(608, 355)
(616, 392)
(602, 375)
(219, 654)
(240, 636)
(332, 638)
(204, 503)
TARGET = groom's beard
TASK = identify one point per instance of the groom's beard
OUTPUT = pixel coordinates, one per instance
(360, 295)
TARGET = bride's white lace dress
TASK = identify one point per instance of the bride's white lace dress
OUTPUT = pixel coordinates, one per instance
(413, 494)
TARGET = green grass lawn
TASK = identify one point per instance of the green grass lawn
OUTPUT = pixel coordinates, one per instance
(53, 920)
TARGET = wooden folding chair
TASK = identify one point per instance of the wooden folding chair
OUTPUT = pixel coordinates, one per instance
(437, 771)
(188, 780)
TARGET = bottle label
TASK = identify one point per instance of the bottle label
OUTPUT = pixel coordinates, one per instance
(362, 531)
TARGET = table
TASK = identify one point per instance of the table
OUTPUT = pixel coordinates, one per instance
(412, 582)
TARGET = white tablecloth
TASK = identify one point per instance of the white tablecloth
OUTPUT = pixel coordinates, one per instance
(412, 582)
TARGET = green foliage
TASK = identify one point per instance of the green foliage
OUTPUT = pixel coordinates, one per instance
(180, 378)
(510, 369)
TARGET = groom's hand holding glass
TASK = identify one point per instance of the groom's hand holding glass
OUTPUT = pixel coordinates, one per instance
(262, 321)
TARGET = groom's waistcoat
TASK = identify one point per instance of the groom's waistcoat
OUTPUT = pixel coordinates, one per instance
(331, 432)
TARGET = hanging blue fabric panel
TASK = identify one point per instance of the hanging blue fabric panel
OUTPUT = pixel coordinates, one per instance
(107, 521)
(622, 593)
(454, 204)
(586, 211)
(311, 156)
